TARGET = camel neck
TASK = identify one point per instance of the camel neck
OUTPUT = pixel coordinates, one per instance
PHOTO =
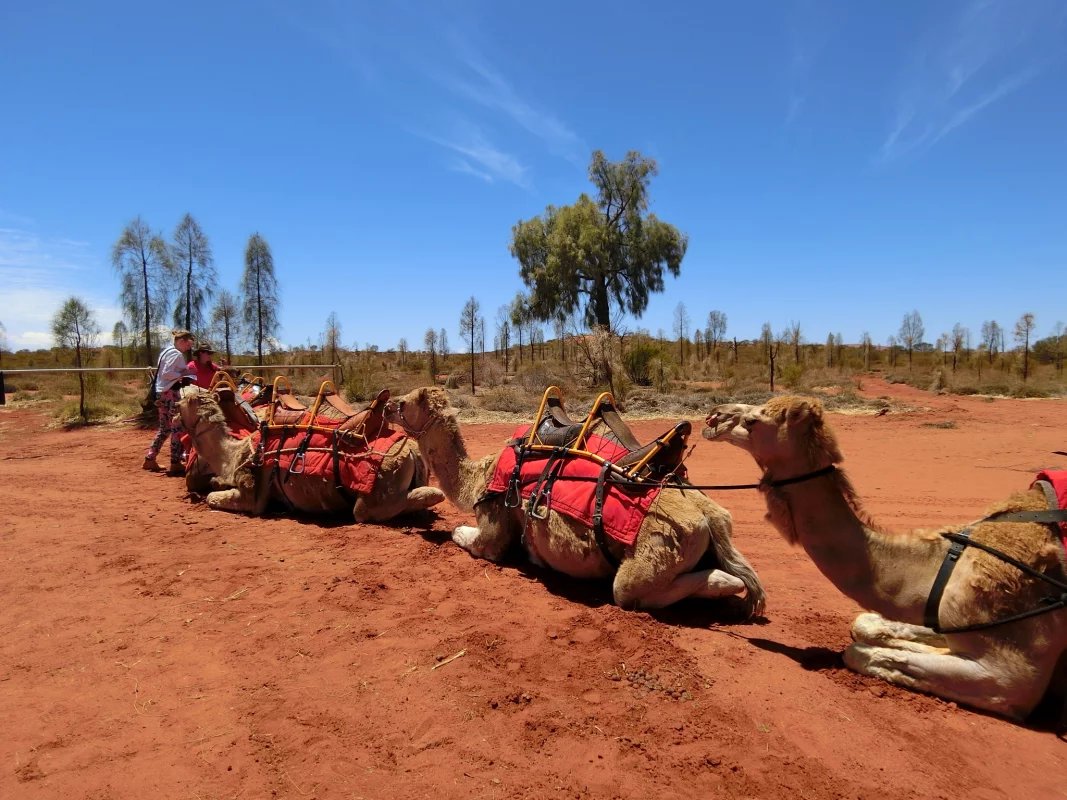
(221, 451)
(443, 448)
(883, 572)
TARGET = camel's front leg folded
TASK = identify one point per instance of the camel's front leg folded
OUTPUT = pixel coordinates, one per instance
(874, 629)
(979, 683)
(238, 500)
(706, 583)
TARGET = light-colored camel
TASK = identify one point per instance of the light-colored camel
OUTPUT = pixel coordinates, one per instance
(659, 569)
(241, 486)
(1005, 669)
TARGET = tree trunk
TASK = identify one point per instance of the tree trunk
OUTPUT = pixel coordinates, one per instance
(147, 314)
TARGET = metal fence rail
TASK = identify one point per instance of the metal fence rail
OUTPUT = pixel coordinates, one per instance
(336, 370)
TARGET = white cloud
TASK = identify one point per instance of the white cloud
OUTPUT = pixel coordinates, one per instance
(988, 51)
(38, 274)
(479, 157)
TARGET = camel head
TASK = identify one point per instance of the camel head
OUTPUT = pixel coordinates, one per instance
(199, 406)
(419, 409)
(785, 434)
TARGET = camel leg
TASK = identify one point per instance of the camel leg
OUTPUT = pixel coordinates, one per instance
(976, 683)
(377, 509)
(494, 535)
(423, 497)
(232, 500)
(874, 629)
(708, 583)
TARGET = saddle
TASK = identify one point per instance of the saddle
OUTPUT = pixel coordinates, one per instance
(287, 411)
(555, 429)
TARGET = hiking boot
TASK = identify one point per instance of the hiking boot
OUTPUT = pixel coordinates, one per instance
(176, 471)
(151, 465)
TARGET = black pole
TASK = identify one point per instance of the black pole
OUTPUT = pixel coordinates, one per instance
(3, 396)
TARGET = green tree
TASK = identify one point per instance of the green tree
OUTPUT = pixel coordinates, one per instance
(503, 327)
(142, 260)
(468, 329)
(75, 328)
(259, 293)
(192, 258)
(226, 321)
(119, 334)
(597, 252)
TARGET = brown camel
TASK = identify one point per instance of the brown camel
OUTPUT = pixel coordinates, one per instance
(659, 569)
(1006, 669)
(241, 486)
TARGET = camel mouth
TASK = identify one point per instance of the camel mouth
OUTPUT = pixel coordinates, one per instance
(718, 424)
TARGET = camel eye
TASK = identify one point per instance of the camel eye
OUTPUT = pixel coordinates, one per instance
(748, 423)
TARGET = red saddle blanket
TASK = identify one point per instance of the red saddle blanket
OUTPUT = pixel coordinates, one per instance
(1058, 479)
(624, 509)
(358, 459)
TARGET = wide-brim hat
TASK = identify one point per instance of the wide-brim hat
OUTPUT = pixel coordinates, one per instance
(205, 347)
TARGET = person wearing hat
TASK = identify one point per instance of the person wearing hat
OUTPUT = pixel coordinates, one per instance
(171, 374)
(203, 366)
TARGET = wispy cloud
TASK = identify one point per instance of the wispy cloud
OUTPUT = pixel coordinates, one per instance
(38, 274)
(420, 65)
(985, 52)
(478, 157)
(483, 84)
(808, 29)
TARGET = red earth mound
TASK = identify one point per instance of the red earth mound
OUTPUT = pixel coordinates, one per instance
(154, 648)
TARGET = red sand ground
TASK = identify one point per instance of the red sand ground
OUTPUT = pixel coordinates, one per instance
(154, 648)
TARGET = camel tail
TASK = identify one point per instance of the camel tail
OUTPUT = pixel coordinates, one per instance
(732, 562)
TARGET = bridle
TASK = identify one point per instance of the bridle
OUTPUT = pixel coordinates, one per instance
(415, 434)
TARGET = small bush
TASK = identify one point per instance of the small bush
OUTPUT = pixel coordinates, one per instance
(506, 398)
(1026, 390)
(943, 425)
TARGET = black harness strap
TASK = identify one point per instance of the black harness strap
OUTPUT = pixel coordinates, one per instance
(598, 516)
(933, 602)
(542, 492)
(513, 496)
(962, 540)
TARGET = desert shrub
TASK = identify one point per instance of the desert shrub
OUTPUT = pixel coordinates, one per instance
(1027, 390)
(506, 398)
(641, 360)
(364, 378)
(943, 425)
(792, 375)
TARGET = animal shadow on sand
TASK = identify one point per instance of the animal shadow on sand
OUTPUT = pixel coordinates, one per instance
(690, 612)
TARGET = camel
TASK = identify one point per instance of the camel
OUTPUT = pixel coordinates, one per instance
(905, 637)
(665, 564)
(241, 486)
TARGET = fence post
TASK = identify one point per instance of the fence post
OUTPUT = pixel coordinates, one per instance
(3, 396)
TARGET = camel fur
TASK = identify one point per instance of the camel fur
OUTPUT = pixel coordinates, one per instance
(660, 568)
(1006, 669)
(241, 486)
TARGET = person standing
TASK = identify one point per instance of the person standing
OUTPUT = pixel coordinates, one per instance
(203, 366)
(171, 374)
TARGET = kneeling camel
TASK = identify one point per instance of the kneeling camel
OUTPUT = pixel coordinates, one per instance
(664, 565)
(925, 632)
(400, 486)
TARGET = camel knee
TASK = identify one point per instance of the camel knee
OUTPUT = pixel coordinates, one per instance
(424, 497)
(228, 500)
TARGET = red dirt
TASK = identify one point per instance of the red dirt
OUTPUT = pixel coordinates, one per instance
(154, 648)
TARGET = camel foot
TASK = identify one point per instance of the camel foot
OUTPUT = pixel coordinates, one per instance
(465, 536)
(707, 583)
(228, 500)
(424, 497)
(874, 629)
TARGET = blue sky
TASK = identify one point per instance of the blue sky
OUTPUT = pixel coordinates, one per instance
(834, 163)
